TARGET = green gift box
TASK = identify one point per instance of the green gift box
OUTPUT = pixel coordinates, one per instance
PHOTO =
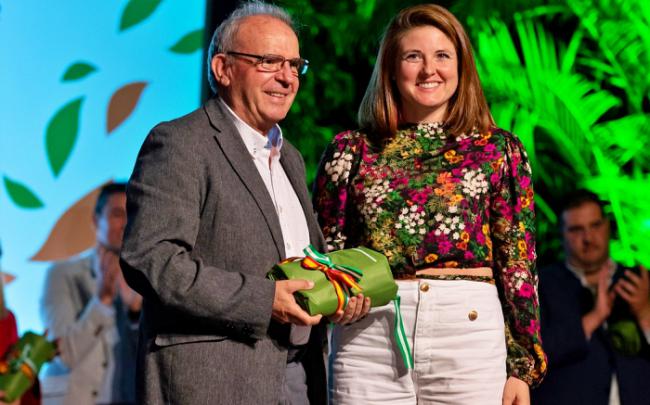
(368, 270)
(19, 371)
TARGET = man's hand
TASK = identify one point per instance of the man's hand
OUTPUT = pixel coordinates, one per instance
(356, 309)
(603, 306)
(635, 289)
(108, 272)
(285, 308)
(516, 392)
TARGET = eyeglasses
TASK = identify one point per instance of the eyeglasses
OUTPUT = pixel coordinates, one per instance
(274, 63)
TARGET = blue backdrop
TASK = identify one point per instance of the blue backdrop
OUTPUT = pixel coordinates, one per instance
(81, 85)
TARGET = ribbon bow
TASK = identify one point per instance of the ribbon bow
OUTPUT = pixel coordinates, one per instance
(344, 278)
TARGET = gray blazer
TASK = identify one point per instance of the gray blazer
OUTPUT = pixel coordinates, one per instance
(202, 233)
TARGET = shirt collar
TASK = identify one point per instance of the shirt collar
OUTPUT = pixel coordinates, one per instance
(253, 140)
(580, 274)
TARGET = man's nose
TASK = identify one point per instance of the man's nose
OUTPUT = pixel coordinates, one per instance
(285, 74)
(587, 237)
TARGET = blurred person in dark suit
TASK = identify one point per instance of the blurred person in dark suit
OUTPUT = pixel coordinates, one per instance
(595, 316)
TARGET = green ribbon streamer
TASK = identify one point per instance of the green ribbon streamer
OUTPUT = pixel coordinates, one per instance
(400, 336)
(398, 328)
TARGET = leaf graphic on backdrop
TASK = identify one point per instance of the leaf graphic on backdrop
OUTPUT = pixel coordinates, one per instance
(122, 104)
(61, 134)
(73, 232)
(78, 71)
(190, 42)
(7, 278)
(21, 195)
(137, 11)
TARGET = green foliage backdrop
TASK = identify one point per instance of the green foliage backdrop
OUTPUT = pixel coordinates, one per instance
(569, 77)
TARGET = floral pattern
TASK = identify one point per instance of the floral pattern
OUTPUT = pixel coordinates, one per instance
(431, 199)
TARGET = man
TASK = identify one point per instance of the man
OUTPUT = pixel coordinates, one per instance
(215, 200)
(93, 315)
(595, 329)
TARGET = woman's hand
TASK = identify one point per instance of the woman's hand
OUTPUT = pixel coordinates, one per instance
(516, 392)
(356, 309)
(2, 399)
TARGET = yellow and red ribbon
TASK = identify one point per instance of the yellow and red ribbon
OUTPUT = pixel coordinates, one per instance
(344, 279)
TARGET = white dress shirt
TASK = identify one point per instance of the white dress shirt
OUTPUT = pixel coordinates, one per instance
(265, 152)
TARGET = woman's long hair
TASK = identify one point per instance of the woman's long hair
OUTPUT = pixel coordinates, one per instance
(380, 110)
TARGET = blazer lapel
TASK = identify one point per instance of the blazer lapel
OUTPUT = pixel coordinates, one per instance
(239, 158)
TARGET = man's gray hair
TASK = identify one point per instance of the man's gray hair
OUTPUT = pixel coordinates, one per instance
(224, 36)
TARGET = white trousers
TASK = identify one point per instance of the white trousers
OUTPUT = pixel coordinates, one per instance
(456, 333)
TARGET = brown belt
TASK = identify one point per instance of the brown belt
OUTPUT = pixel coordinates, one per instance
(447, 271)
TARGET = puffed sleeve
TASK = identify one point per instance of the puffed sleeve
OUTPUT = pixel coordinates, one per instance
(512, 229)
(331, 192)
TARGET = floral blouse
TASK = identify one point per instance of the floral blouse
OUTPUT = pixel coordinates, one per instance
(431, 199)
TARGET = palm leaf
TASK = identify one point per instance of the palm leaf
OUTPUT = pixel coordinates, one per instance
(546, 96)
(621, 30)
(621, 139)
(628, 196)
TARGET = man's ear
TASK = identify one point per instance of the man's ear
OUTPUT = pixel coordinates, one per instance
(219, 69)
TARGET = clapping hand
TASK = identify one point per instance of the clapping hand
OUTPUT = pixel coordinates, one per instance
(635, 290)
(602, 307)
(110, 280)
(604, 297)
(107, 270)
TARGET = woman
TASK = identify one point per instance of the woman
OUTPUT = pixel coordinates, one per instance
(9, 336)
(430, 182)
(8, 331)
